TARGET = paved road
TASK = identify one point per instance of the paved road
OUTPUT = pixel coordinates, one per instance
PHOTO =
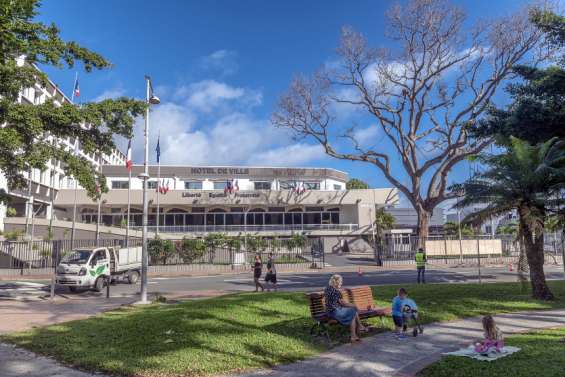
(287, 281)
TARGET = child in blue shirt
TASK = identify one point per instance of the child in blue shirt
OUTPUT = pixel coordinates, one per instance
(397, 312)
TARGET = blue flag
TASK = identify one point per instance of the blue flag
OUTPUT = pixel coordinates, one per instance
(158, 150)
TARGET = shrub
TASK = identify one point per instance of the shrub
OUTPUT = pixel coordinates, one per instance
(160, 249)
(192, 249)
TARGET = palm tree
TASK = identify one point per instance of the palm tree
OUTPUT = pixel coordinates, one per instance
(524, 178)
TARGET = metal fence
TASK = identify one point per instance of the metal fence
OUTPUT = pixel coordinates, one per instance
(43, 254)
(401, 249)
(26, 255)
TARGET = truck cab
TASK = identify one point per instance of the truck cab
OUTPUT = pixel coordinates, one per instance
(92, 267)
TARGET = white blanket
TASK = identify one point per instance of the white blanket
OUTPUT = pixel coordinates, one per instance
(470, 352)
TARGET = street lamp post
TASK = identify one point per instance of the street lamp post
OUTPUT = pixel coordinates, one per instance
(150, 99)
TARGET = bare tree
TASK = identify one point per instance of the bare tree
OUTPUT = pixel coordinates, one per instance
(425, 94)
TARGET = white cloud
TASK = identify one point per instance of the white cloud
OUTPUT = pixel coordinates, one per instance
(223, 61)
(110, 94)
(207, 95)
(190, 133)
(297, 154)
(366, 136)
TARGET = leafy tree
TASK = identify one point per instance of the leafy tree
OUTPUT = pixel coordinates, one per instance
(356, 184)
(525, 178)
(383, 221)
(296, 241)
(192, 249)
(537, 112)
(510, 229)
(451, 228)
(24, 143)
(424, 92)
(256, 243)
(160, 249)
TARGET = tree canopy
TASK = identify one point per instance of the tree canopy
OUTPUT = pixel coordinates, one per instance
(526, 178)
(356, 184)
(537, 111)
(25, 143)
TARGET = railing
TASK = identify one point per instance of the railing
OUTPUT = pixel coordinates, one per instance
(501, 249)
(43, 255)
(248, 228)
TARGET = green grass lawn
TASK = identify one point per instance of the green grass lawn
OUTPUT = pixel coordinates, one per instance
(240, 331)
(542, 354)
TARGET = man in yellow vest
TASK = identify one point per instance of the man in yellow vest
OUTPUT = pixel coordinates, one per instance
(421, 265)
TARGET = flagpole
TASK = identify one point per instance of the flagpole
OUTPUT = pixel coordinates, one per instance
(129, 207)
(158, 183)
(74, 86)
(75, 200)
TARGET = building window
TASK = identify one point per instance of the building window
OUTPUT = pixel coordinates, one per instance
(192, 185)
(120, 185)
(338, 187)
(312, 185)
(152, 185)
(220, 185)
(262, 185)
(287, 185)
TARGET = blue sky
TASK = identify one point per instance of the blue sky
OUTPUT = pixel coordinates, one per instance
(219, 68)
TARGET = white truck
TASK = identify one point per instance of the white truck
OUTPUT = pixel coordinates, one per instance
(90, 267)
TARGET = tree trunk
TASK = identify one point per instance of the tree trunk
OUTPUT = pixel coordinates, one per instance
(533, 241)
(423, 225)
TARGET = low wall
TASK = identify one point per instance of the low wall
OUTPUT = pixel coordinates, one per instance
(464, 247)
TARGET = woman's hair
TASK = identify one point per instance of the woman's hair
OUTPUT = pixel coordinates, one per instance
(257, 256)
(489, 326)
(336, 281)
(402, 291)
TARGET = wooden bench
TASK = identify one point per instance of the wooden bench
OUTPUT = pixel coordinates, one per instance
(361, 296)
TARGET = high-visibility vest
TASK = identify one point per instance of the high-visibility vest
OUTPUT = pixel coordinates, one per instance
(420, 259)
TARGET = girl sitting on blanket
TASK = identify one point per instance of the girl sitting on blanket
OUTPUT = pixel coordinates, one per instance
(493, 341)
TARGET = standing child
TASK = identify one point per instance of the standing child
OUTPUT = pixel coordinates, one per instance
(493, 341)
(271, 276)
(397, 313)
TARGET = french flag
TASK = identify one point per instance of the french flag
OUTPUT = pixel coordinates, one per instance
(76, 90)
(129, 162)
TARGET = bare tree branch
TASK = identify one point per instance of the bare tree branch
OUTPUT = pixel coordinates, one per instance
(424, 95)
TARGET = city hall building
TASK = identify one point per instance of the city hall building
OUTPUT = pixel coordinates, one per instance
(199, 200)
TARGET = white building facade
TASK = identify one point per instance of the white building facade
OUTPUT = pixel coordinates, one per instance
(229, 199)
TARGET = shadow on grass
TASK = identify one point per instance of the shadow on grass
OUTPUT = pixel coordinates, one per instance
(240, 331)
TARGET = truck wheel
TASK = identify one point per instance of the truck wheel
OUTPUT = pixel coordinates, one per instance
(133, 277)
(99, 284)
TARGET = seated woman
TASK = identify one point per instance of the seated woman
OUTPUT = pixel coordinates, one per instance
(341, 310)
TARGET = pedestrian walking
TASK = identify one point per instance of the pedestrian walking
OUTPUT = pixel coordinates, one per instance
(421, 265)
(257, 270)
(271, 276)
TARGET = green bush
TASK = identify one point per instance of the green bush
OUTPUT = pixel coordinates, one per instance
(160, 249)
(13, 235)
(11, 212)
(191, 249)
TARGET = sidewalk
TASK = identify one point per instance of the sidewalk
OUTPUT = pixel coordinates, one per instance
(383, 356)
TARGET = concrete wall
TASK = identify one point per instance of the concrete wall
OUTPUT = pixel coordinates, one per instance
(62, 229)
